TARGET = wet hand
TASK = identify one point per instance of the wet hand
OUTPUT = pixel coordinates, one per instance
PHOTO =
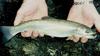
(80, 14)
(30, 10)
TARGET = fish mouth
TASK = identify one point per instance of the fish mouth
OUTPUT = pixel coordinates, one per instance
(93, 36)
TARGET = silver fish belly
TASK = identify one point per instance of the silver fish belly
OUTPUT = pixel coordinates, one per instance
(56, 27)
(49, 26)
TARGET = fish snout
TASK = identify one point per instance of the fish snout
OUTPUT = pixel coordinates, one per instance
(92, 36)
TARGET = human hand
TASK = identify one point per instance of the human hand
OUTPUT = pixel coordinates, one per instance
(30, 10)
(84, 14)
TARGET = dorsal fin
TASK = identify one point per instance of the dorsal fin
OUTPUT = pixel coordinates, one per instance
(47, 17)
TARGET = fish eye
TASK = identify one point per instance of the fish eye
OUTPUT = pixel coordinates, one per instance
(93, 34)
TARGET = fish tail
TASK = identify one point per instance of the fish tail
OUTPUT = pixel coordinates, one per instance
(7, 33)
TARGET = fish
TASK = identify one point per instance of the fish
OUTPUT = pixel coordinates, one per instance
(49, 26)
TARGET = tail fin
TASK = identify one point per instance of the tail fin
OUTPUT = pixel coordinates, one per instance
(7, 33)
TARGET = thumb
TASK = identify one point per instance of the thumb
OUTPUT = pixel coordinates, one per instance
(97, 24)
(18, 19)
(98, 27)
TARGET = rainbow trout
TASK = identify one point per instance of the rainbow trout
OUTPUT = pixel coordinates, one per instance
(49, 26)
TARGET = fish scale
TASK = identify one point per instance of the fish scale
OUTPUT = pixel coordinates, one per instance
(49, 26)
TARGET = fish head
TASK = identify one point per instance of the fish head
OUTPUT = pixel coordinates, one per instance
(91, 34)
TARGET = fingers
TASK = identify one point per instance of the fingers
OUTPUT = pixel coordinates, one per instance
(69, 38)
(31, 34)
(27, 33)
(35, 35)
(77, 38)
(84, 40)
(74, 38)
(41, 35)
